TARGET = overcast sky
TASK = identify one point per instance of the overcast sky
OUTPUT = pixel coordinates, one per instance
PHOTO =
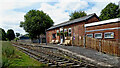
(13, 11)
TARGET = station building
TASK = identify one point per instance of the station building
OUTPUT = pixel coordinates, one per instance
(89, 25)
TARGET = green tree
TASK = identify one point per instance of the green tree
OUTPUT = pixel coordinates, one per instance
(77, 14)
(26, 35)
(10, 34)
(36, 22)
(17, 34)
(110, 11)
(2, 34)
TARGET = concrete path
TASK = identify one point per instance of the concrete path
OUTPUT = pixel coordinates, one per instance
(89, 54)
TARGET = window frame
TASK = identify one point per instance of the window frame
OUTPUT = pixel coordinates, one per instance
(65, 30)
(98, 37)
(61, 31)
(109, 37)
(69, 29)
(90, 34)
(57, 31)
(69, 32)
(54, 37)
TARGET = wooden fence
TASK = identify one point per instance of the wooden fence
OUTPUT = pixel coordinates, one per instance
(105, 46)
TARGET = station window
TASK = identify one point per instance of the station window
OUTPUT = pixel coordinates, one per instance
(61, 30)
(57, 31)
(65, 30)
(90, 35)
(98, 35)
(53, 36)
(69, 32)
(109, 35)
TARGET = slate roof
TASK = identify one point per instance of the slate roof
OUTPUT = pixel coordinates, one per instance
(73, 21)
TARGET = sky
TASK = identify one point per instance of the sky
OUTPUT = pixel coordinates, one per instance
(13, 11)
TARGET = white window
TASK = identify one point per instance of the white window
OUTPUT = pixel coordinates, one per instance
(65, 30)
(53, 36)
(90, 35)
(61, 29)
(57, 31)
(109, 35)
(69, 32)
(98, 35)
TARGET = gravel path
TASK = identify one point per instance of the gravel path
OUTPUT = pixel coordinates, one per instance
(93, 54)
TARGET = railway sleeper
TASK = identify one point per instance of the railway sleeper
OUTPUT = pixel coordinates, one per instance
(59, 61)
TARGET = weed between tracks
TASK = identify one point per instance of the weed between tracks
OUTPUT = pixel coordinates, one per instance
(12, 57)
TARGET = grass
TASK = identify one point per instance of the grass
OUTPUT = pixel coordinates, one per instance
(12, 57)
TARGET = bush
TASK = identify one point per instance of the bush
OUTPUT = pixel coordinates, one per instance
(16, 38)
(12, 57)
(5, 62)
(7, 52)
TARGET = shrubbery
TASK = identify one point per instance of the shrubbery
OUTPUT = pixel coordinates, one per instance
(12, 57)
(7, 52)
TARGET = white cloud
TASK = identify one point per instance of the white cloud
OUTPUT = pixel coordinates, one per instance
(71, 6)
(57, 11)
(99, 5)
(97, 8)
(57, 15)
(105, 1)
(10, 19)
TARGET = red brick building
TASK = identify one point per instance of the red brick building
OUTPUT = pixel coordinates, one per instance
(89, 25)
(70, 28)
(106, 30)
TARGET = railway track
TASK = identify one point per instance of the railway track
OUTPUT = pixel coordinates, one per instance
(54, 57)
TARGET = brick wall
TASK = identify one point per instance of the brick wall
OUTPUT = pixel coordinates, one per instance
(93, 19)
(77, 29)
(105, 26)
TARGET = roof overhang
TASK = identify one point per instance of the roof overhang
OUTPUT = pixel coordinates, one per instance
(102, 22)
(85, 18)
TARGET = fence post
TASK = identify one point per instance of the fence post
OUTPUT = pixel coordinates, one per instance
(119, 49)
(99, 45)
(84, 41)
